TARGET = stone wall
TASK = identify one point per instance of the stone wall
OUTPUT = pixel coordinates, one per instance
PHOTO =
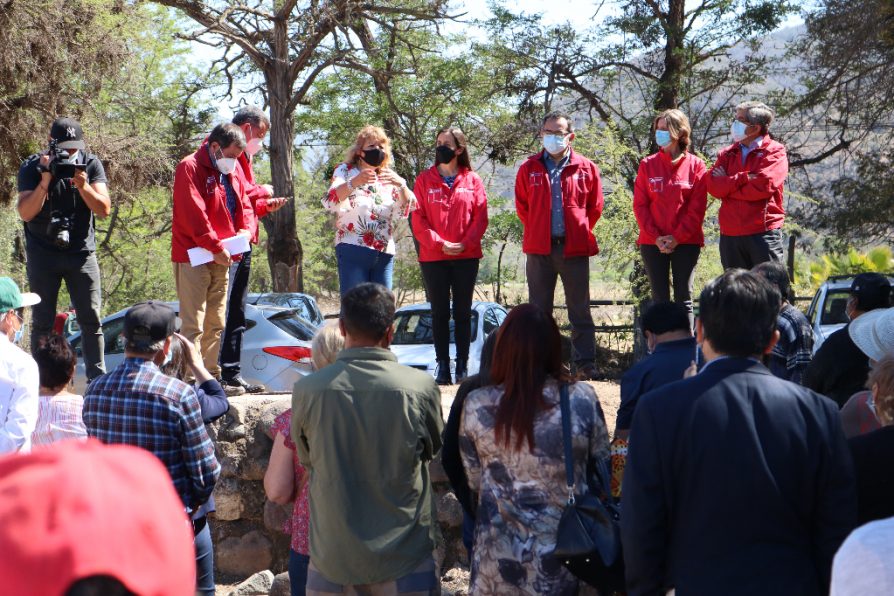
(247, 528)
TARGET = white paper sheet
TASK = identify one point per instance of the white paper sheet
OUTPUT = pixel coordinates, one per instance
(236, 245)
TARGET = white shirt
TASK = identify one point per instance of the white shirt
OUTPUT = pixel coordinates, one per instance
(864, 565)
(19, 383)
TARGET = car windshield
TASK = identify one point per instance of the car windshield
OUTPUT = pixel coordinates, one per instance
(291, 322)
(414, 328)
(834, 312)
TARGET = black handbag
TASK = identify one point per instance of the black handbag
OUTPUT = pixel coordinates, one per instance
(588, 540)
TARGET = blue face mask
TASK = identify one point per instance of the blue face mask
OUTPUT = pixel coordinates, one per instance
(738, 130)
(17, 338)
(662, 138)
(555, 144)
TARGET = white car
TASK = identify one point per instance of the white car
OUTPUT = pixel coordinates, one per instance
(826, 312)
(414, 344)
(275, 347)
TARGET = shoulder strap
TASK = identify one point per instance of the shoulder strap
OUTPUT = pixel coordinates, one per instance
(564, 404)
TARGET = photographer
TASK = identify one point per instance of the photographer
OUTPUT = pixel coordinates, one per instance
(60, 192)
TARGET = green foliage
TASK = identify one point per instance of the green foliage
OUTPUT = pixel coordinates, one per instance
(879, 259)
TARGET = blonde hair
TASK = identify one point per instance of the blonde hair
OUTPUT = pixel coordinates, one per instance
(326, 344)
(677, 125)
(881, 382)
(369, 133)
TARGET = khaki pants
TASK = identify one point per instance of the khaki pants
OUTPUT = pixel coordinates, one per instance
(202, 292)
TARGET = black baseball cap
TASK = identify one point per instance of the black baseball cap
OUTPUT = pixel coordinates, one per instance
(872, 290)
(149, 322)
(67, 133)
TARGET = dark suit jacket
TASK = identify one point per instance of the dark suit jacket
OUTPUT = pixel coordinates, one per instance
(737, 482)
(873, 455)
(838, 369)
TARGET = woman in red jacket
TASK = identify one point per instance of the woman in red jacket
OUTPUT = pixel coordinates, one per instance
(669, 201)
(449, 222)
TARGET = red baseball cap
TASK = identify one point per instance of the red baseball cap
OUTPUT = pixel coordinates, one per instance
(77, 509)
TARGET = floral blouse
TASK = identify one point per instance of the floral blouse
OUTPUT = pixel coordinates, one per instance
(298, 524)
(368, 218)
(521, 495)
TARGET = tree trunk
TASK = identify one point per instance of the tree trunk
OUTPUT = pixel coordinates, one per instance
(668, 93)
(284, 251)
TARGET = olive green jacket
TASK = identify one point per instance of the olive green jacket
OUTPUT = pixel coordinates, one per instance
(365, 428)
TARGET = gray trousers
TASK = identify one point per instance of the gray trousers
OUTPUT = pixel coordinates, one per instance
(542, 272)
(46, 270)
(747, 251)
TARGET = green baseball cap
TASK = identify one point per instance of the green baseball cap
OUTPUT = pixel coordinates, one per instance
(11, 298)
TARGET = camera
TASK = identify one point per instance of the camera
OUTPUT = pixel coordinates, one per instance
(59, 229)
(60, 166)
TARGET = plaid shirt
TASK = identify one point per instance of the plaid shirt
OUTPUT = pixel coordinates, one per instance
(792, 353)
(138, 405)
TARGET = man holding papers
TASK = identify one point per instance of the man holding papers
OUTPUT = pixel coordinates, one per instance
(209, 210)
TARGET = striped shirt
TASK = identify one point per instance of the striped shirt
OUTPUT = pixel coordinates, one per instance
(138, 405)
(59, 419)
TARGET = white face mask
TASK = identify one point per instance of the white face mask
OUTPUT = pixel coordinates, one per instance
(737, 130)
(555, 144)
(225, 165)
(253, 146)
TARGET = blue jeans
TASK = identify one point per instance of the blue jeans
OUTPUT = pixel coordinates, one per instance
(204, 561)
(358, 264)
(298, 564)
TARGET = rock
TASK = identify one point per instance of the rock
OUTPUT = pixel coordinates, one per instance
(258, 584)
(236, 432)
(254, 468)
(455, 582)
(281, 585)
(228, 500)
(270, 413)
(245, 555)
(275, 516)
(450, 512)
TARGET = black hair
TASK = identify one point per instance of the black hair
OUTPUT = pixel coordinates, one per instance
(738, 312)
(555, 115)
(487, 358)
(55, 362)
(252, 115)
(227, 134)
(177, 366)
(98, 585)
(776, 273)
(664, 317)
(367, 311)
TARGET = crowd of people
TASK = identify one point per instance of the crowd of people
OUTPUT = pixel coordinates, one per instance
(733, 469)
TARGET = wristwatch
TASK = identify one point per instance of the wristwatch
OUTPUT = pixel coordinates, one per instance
(42, 168)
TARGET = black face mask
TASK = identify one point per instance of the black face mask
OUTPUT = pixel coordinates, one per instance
(373, 157)
(444, 154)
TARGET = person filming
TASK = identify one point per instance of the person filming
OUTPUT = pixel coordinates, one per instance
(61, 192)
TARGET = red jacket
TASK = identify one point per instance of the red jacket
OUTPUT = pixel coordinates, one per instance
(200, 206)
(670, 198)
(750, 205)
(455, 215)
(581, 195)
(255, 194)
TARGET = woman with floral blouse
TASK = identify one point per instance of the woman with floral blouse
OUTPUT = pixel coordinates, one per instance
(366, 196)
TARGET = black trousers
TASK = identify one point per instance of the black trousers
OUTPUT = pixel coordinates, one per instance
(659, 267)
(231, 340)
(443, 278)
(747, 251)
(543, 272)
(46, 270)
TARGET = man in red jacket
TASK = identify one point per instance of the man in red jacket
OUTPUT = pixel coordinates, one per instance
(558, 198)
(254, 124)
(748, 177)
(209, 206)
